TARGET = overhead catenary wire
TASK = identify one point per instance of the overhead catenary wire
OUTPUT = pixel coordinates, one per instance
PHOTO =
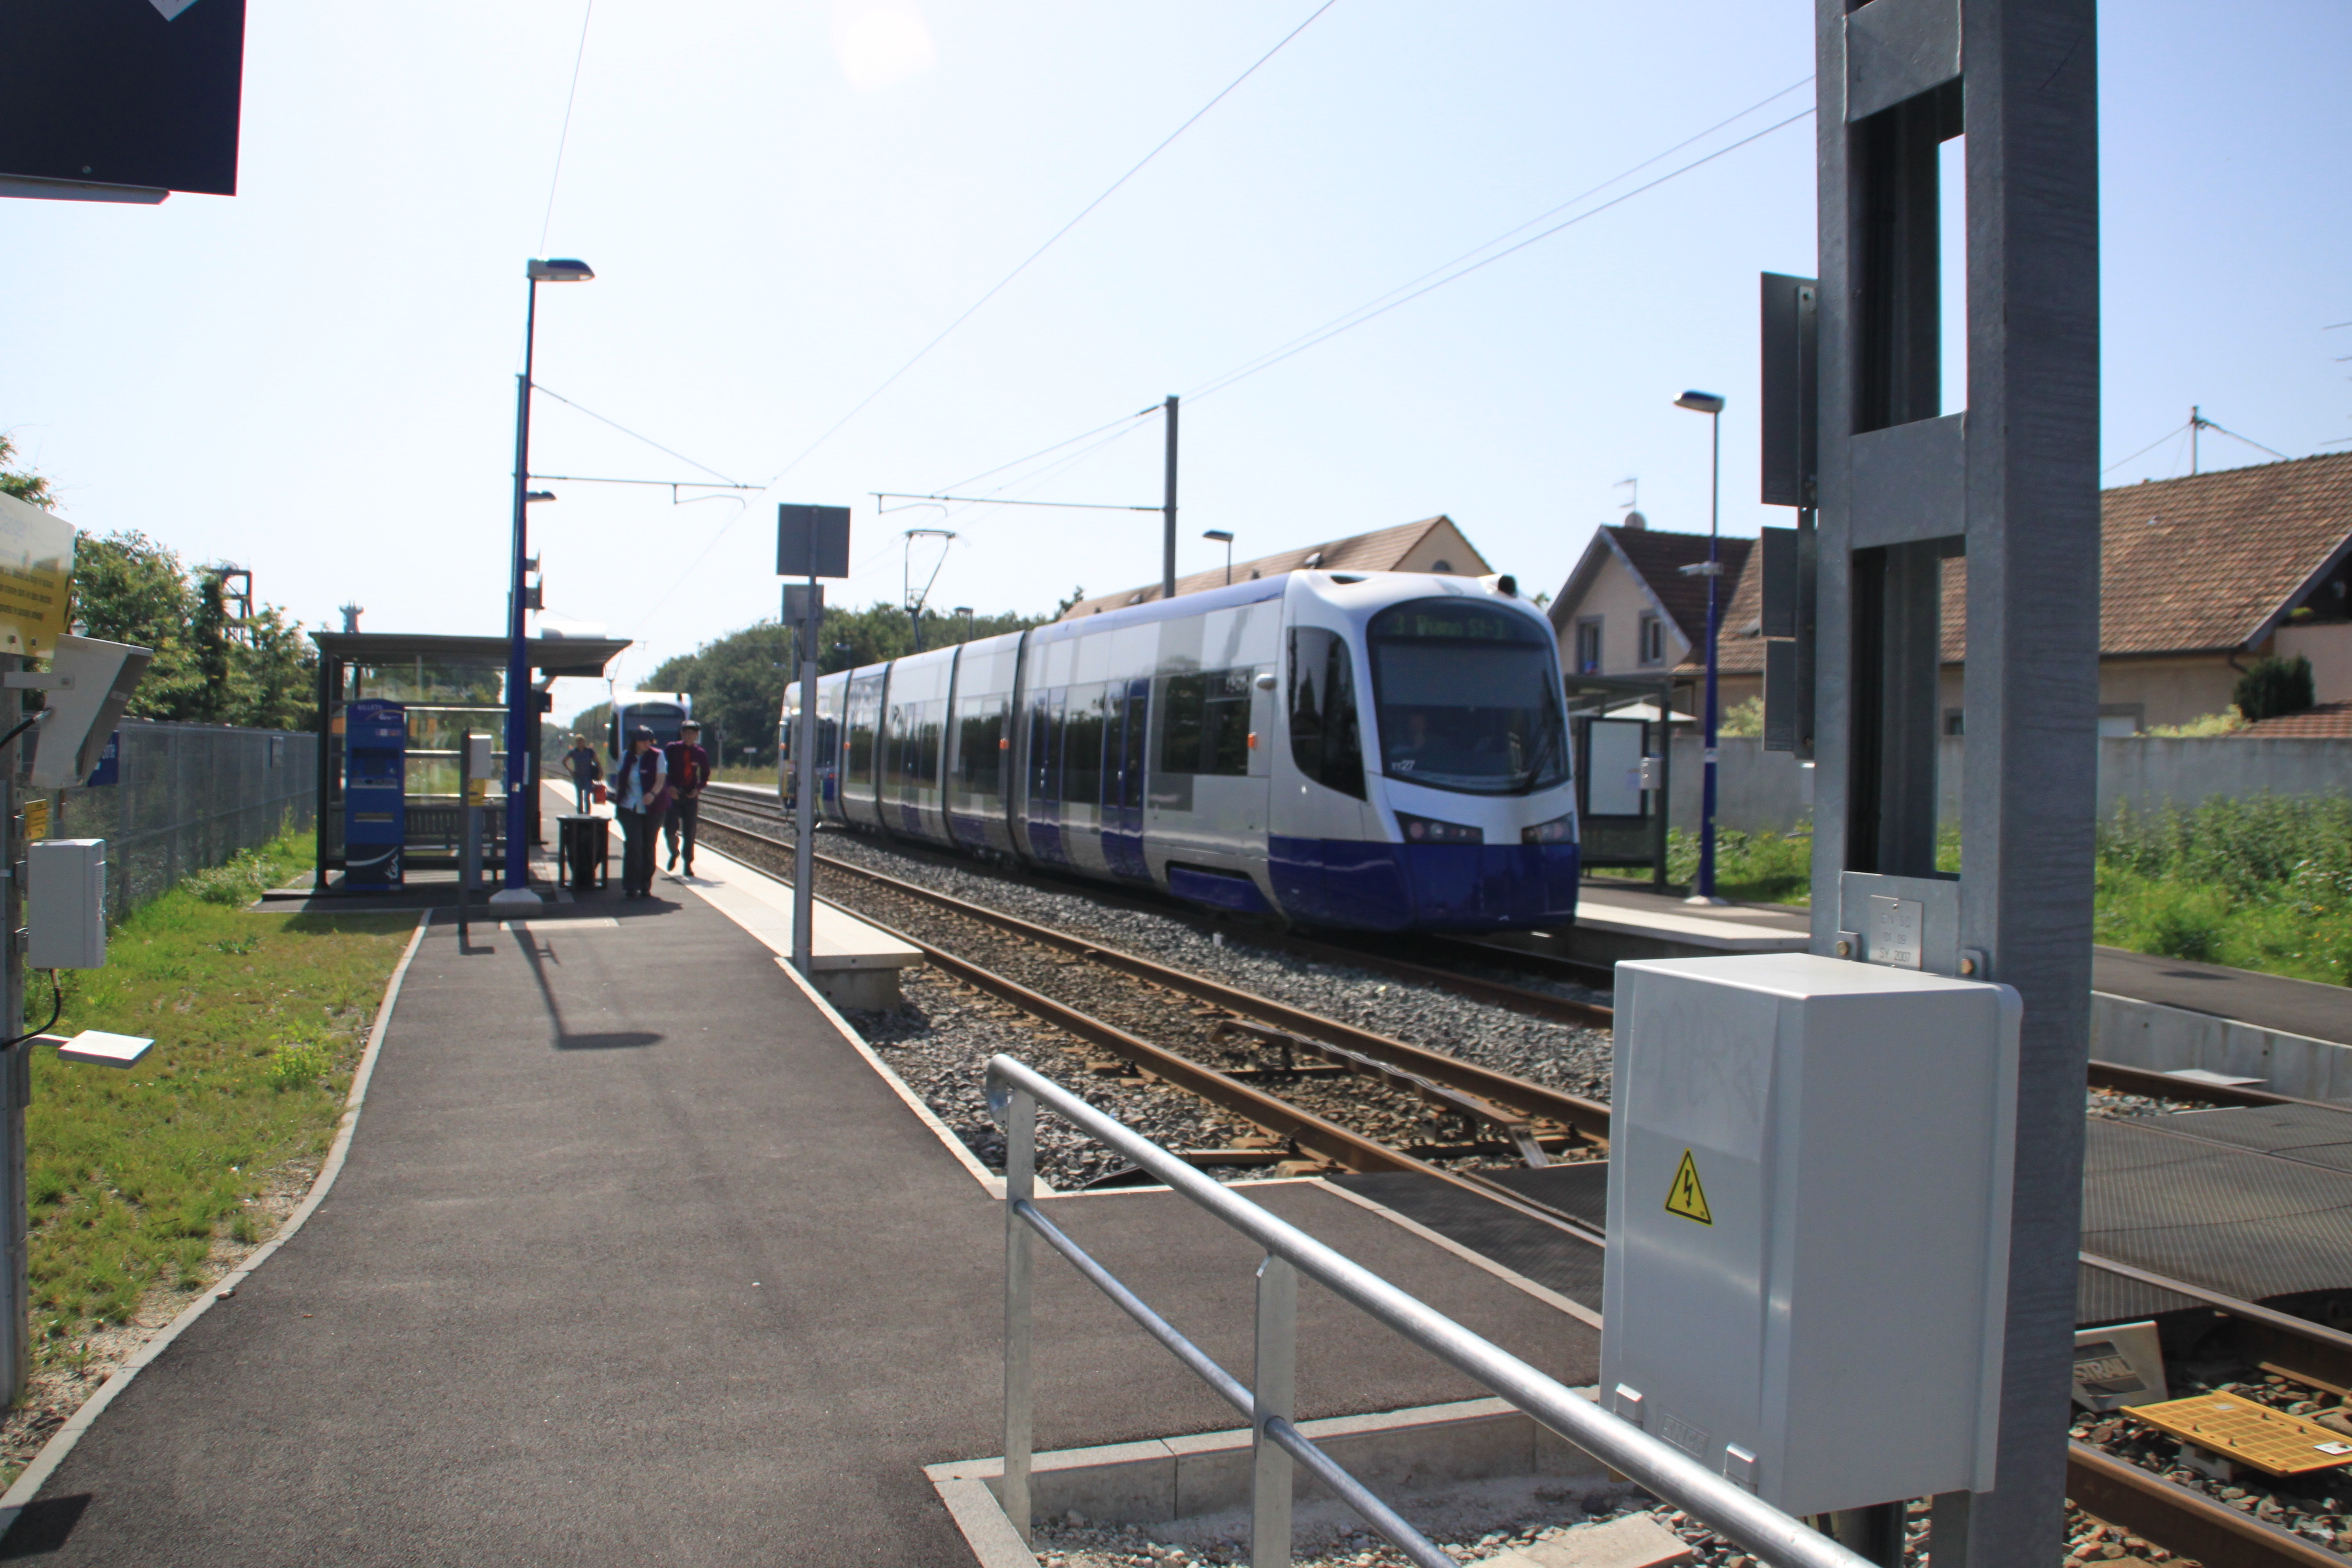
(1373, 310)
(542, 387)
(1002, 283)
(1410, 289)
(563, 138)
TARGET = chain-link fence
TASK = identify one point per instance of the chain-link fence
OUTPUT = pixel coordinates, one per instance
(186, 797)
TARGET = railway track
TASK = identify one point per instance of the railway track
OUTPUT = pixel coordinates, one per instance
(1523, 1117)
(1373, 953)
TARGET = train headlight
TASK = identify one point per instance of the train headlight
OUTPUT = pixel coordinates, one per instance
(1560, 830)
(1428, 830)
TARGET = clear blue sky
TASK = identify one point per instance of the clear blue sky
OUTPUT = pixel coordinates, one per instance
(784, 202)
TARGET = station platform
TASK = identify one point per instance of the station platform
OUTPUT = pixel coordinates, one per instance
(1618, 923)
(638, 1258)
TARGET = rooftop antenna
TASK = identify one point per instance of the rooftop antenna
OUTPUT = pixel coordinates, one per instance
(1633, 518)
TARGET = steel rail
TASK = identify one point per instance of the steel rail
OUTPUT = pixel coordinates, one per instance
(1665, 1471)
(2316, 1354)
(1588, 1117)
(1342, 1146)
(2160, 1085)
(2310, 1352)
(1495, 993)
(2181, 1520)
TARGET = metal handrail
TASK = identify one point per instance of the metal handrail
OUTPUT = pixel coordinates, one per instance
(1014, 1093)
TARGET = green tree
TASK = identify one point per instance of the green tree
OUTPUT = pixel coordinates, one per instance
(263, 674)
(23, 483)
(737, 681)
(2271, 687)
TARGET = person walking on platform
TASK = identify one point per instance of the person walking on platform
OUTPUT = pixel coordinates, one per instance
(639, 799)
(689, 772)
(585, 770)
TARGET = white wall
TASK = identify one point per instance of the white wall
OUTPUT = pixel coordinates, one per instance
(1759, 790)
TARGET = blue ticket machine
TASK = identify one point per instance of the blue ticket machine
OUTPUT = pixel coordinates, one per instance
(375, 785)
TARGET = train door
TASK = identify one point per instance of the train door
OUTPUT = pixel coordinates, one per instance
(861, 773)
(1327, 859)
(1045, 777)
(1130, 724)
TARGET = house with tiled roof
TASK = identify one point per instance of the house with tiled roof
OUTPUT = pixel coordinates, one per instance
(2200, 577)
(1634, 606)
(1434, 544)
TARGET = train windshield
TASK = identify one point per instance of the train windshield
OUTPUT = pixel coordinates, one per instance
(1468, 698)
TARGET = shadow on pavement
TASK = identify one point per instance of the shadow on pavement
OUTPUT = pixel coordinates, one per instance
(43, 1526)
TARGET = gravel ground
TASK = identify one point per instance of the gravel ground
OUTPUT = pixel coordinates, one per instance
(1559, 1054)
(939, 1043)
(2114, 1103)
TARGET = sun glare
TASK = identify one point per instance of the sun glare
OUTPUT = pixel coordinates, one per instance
(880, 42)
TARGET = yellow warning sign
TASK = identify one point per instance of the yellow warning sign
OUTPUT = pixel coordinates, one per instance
(1686, 1197)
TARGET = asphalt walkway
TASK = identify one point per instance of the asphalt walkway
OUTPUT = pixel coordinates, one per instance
(635, 1261)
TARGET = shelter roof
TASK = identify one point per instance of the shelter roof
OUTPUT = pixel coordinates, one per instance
(574, 656)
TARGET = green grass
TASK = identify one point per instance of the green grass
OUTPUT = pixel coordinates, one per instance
(2260, 884)
(2263, 884)
(258, 1020)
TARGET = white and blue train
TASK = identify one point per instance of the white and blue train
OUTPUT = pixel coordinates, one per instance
(1383, 751)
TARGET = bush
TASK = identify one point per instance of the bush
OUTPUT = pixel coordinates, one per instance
(2271, 687)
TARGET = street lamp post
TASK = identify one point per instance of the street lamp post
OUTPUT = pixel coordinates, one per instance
(1225, 539)
(518, 653)
(1711, 405)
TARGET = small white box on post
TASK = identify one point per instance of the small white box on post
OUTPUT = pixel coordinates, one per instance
(65, 898)
(1809, 1188)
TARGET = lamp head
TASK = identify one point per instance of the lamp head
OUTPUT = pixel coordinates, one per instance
(559, 269)
(1218, 534)
(1701, 402)
(539, 495)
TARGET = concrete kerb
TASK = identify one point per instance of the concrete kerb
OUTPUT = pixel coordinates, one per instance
(1165, 1480)
(2136, 1033)
(61, 1442)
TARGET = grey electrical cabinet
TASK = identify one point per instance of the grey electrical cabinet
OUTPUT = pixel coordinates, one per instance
(1809, 1174)
(65, 903)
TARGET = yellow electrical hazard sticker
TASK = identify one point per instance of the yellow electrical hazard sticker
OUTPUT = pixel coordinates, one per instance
(1686, 1197)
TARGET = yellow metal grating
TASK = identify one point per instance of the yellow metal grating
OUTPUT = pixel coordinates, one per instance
(2238, 1428)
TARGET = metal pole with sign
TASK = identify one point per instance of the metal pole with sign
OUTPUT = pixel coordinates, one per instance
(2003, 495)
(813, 540)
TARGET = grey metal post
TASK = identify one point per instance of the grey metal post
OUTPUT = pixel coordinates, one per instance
(807, 797)
(469, 875)
(15, 1063)
(1019, 1396)
(2011, 485)
(1274, 1395)
(1168, 512)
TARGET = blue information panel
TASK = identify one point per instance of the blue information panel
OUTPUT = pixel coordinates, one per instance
(375, 787)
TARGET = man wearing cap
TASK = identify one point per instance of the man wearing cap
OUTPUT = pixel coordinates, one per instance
(689, 772)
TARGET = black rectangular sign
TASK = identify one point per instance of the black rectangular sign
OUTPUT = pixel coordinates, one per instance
(122, 92)
(1791, 444)
(812, 541)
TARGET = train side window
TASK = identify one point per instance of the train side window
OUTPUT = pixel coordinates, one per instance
(979, 752)
(1325, 740)
(1082, 735)
(1207, 725)
(865, 706)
